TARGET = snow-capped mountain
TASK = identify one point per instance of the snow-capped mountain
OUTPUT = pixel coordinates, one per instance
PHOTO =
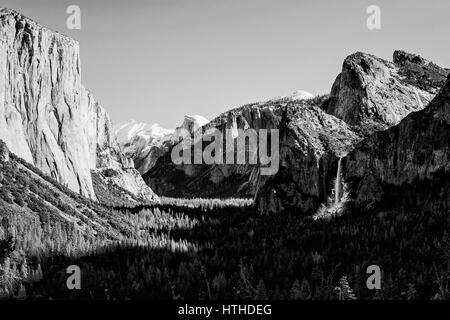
(301, 95)
(126, 132)
(144, 143)
(295, 96)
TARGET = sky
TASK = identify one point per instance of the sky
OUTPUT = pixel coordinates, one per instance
(157, 60)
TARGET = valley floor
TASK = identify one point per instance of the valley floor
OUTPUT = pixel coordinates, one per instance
(208, 249)
(175, 251)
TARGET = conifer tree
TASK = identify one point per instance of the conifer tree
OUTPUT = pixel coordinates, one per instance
(261, 291)
(24, 270)
(344, 290)
(295, 293)
(22, 294)
(411, 294)
(305, 290)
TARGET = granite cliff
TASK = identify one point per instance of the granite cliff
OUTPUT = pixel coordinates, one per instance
(369, 95)
(47, 116)
(406, 166)
(217, 180)
(373, 94)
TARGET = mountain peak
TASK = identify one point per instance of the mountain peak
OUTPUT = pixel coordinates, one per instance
(145, 143)
(420, 72)
(129, 131)
(401, 57)
(301, 95)
(200, 120)
(191, 123)
(374, 94)
(21, 22)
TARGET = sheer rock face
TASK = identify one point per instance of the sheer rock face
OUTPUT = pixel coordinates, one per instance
(47, 117)
(407, 165)
(369, 95)
(310, 139)
(374, 94)
(310, 143)
(225, 180)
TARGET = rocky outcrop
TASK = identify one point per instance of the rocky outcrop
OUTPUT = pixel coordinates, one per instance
(190, 123)
(370, 94)
(47, 117)
(311, 141)
(419, 72)
(406, 166)
(218, 180)
(373, 94)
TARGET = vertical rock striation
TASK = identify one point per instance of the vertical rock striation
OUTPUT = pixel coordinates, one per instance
(369, 95)
(47, 117)
(217, 180)
(407, 166)
(311, 142)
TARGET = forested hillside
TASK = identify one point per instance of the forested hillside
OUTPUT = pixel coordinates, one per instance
(208, 250)
(40, 218)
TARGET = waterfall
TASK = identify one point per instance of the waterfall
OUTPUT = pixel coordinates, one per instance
(337, 186)
(334, 207)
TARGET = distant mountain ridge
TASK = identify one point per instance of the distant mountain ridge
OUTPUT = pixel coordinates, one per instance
(144, 143)
(369, 95)
(125, 132)
(227, 180)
